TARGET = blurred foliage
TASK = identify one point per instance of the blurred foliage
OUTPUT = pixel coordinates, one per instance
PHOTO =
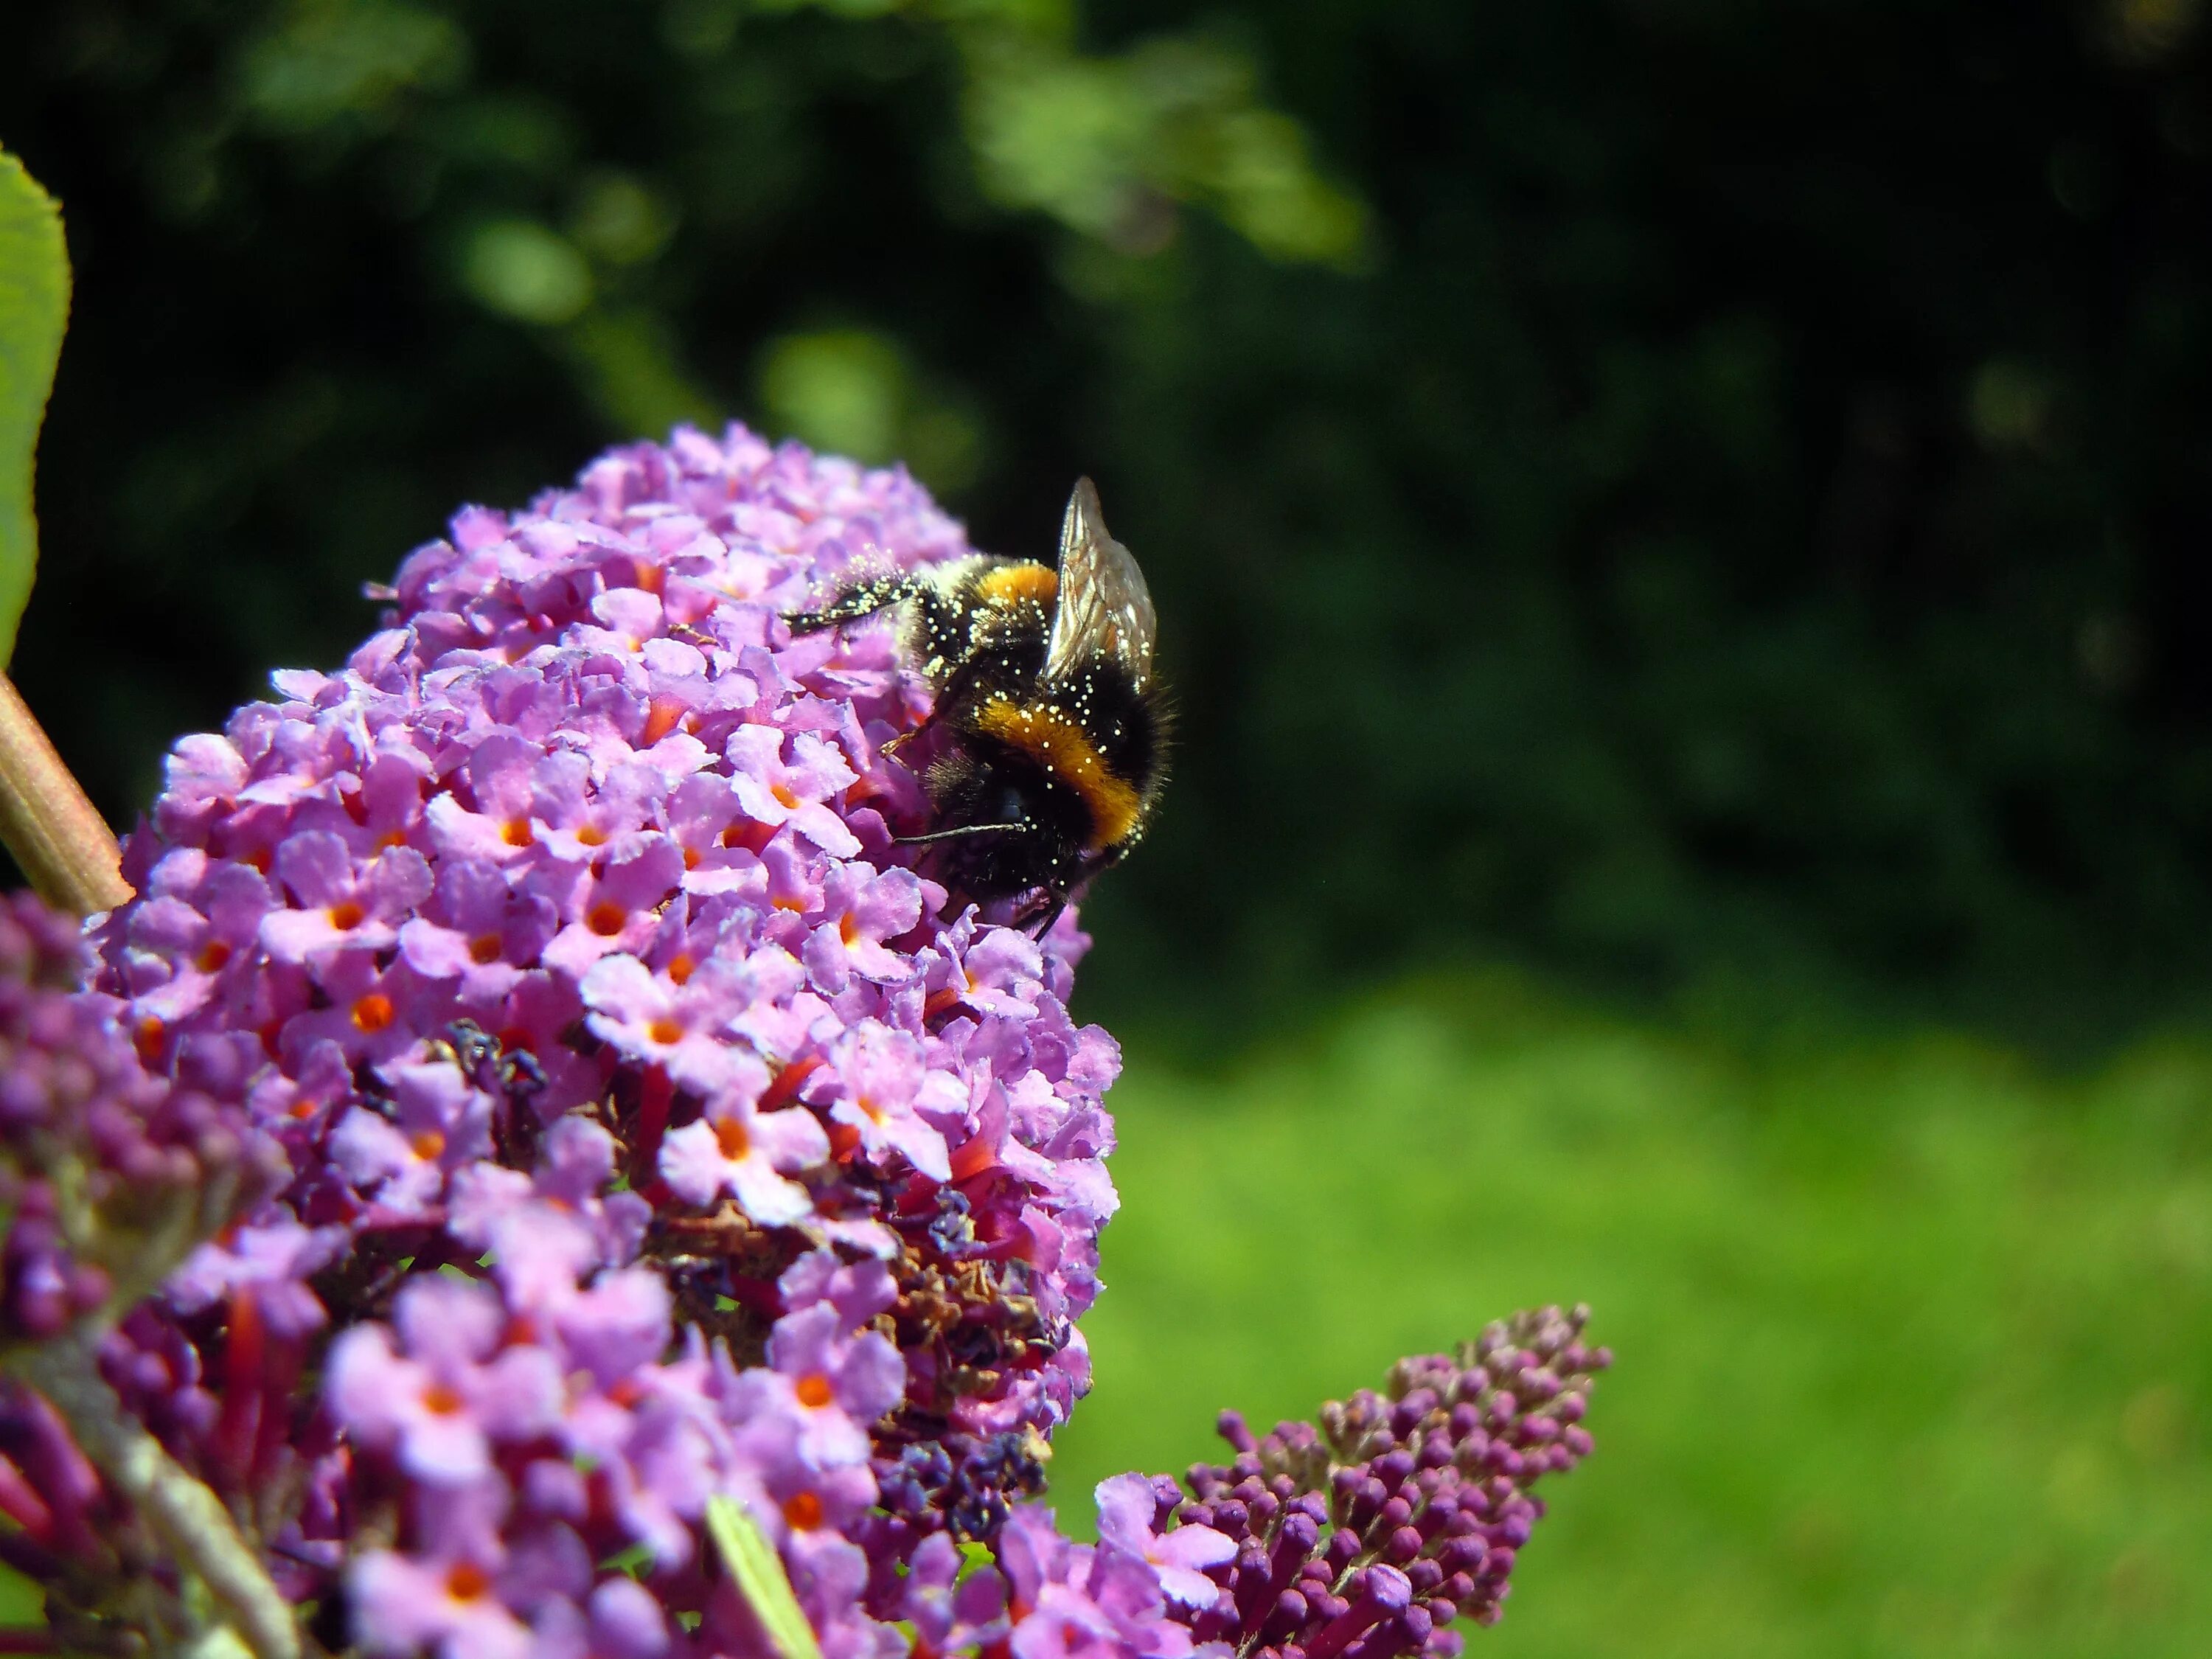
(1692, 492)
(1914, 1337)
(34, 283)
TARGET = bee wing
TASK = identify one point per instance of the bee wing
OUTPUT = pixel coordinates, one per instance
(1104, 608)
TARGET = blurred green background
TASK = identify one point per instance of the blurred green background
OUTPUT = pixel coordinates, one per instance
(1681, 531)
(1914, 1339)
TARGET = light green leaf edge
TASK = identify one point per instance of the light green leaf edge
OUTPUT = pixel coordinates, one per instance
(754, 1563)
(34, 300)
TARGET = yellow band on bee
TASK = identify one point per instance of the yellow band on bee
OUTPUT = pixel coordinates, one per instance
(1060, 744)
(1011, 584)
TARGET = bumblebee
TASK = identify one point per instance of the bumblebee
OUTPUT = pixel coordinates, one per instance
(1050, 734)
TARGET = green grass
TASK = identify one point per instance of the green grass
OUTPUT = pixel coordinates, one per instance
(1914, 1340)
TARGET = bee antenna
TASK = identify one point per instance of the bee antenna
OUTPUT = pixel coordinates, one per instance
(951, 834)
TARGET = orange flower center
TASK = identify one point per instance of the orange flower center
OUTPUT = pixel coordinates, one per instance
(443, 1400)
(789, 801)
(591, 835)
(847, 929)
(484, 950)
(665, 1030)
(516, 833)
(803, 1510)
(372, 1013)
(814, 1391)
(606, 918)
(679, 969)
(346, 916)
(147, 1036)
(730, 1134)
(428, 1144)
(467, 1582)
(212, 956)
(661, 718)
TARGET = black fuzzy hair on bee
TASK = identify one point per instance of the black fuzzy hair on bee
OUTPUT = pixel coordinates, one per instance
(1049, 734)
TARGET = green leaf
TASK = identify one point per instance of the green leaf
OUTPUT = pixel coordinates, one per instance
(759, 1573)
(34, 295)
(974, 1556)
(521, 269)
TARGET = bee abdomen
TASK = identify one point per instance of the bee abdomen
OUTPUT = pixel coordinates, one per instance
(1066, 751)
(1020, 582)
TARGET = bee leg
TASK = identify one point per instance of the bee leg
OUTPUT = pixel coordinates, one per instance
(851, 604)
(951, 696)
(893, 746)
(958, 831)
(1094, 864)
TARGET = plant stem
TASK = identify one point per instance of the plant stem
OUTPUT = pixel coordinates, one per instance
(184, 1515)
(63, 846)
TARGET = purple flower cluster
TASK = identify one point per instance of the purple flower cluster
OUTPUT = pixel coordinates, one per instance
(107, 1175)
(647, 1131)
(1360, 1539)
(1405, 1510)
(653, 1131)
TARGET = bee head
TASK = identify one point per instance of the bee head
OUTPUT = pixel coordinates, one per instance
(1011, 826)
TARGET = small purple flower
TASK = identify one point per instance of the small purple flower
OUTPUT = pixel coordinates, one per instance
(878, 1084)
(1066, 1624)
(435, 1122)
(737, 1148)
(860, 910)
(774, 792)
(994, 970)
(814, 1497)
(823, 1388)
(493, 815)
(858, 1291)
(441, 1406)
(681, 1026)
(340, 907)
(707, 822)
(478, 930)
(1180, 1557)
(197, 922)
(446, 1599)
(270, 1260)
(561, 1217)
(613, 903)
(951, 1614)
(371, 1011)
(626, 1622)
(614, 1327)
